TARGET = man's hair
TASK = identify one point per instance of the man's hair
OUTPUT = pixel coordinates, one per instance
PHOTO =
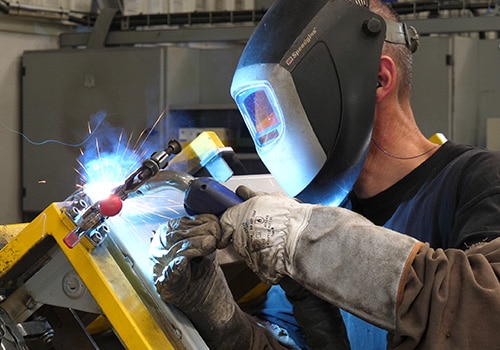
(401, 55)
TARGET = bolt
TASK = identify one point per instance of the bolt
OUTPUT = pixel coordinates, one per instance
(74, 212)
(72, 286)
(177, 332)
(100, 234)
(81, 204)
(30, 304)
(372, 27)
(97, 237)
(47, 336)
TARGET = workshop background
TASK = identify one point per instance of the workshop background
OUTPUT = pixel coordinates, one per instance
(65, 62)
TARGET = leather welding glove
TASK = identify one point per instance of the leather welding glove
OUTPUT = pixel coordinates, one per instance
(335, 253)
(320, 321)
(187, 275)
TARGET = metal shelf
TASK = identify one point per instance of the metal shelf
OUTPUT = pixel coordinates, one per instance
(234, 33)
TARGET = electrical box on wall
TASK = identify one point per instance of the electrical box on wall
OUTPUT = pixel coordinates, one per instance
(67, 96)
(444, 87)
(161, 92)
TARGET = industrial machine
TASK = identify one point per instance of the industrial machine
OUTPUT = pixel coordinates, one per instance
(78, 275)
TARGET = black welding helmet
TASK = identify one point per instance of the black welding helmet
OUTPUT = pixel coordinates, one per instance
(305, 85)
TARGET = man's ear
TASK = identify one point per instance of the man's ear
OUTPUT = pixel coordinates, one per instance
(387, 74)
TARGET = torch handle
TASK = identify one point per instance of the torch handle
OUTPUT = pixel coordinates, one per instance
(207, 196)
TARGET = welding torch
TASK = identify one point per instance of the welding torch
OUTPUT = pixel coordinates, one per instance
(201, 195)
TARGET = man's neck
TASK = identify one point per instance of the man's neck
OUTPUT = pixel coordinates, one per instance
(397, 146)
(390, 158)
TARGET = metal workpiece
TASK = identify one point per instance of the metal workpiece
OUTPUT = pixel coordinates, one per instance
(129, 309)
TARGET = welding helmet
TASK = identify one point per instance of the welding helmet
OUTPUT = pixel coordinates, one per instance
(305, 86)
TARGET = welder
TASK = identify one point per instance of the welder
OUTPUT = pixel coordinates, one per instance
(398, 231)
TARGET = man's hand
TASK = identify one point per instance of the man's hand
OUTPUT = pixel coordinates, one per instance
(264, 231)
(183, 252)
(186, 274)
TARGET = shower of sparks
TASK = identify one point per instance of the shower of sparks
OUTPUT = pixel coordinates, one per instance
(107, 161)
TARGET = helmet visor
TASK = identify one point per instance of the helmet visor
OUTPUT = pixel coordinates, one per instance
(262, 114)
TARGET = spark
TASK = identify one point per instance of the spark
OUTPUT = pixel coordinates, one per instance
(44, 182)
(155, 124)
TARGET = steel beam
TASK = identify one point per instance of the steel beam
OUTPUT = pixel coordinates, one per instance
(164, 36)
(456, 25)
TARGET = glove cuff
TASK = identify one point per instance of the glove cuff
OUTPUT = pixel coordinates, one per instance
(352, 263)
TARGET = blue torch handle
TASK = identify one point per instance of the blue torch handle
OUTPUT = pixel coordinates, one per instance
(207, 196)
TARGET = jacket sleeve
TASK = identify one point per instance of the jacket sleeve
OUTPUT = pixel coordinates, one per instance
(450, 300)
